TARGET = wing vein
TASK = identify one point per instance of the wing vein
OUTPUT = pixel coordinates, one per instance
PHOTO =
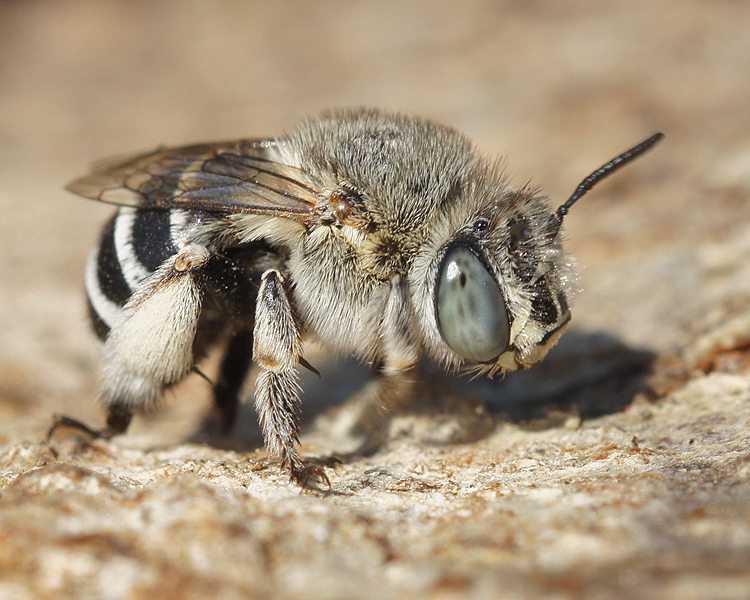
(228, 177)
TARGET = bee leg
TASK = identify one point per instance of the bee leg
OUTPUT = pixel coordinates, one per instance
(151, 347)
(364, 418)
(233, 291)
(118, 419)
(367, 414)
(277, 348)
(234, 368)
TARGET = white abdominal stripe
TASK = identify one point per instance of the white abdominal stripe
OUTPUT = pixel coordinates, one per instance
(133, 245)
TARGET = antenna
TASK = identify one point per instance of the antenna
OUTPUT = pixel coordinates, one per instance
(602, 172)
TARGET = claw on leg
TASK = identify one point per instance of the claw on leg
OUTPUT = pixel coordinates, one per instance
(118, 419)
(309, 476)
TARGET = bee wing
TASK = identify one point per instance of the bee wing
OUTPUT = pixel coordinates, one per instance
(232, 177)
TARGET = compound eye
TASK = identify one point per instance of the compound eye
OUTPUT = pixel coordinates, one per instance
(471, 311)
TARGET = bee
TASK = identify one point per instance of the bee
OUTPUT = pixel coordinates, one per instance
(383, 236)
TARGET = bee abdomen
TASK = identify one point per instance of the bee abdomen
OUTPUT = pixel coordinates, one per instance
(133, 244)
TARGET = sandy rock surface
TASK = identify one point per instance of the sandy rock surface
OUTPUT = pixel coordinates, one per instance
(617, 468)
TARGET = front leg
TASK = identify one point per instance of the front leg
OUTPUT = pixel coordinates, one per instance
(277, 349)
(363, 420)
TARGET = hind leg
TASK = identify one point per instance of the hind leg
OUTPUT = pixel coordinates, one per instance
(152, 345)
(233, 371)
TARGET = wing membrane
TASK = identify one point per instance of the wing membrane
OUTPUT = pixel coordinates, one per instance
(232, 177)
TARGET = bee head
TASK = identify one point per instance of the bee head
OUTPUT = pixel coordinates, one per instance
(502, 282)
(501, 285)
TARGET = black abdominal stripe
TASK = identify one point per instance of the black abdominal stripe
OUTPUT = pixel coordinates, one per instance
(133, 244)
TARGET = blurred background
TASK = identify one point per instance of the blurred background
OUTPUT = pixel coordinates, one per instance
(555, 88)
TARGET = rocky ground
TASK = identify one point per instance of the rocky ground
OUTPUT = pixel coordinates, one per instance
(618, 468)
